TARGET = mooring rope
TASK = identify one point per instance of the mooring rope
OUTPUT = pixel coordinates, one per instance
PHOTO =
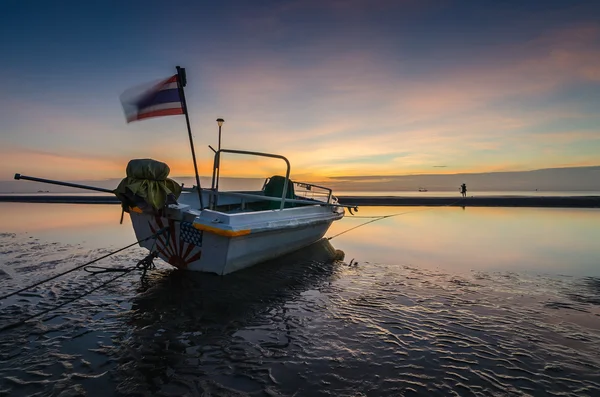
(144, 264)
(140, 265)
(378, 218)
(84, 265)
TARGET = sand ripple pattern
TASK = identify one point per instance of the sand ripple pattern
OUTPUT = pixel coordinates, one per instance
(304, 325)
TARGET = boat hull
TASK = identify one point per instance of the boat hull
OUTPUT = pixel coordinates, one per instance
(224, 243)
(249, 250)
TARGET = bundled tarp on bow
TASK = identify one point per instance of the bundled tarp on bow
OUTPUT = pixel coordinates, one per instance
(147, 186)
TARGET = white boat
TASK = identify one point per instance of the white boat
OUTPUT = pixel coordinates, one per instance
(220, 232)
(234, 230)
(238, 229)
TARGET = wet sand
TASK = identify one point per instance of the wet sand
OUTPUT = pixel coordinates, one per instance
(433, 316)
(299, 326)
(483, 201)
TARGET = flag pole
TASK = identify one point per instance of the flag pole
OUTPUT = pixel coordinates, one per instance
(181, 82)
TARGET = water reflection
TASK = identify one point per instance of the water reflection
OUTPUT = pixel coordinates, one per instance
(546, 240)
(188, 314)
(543, 240)
(96, 225)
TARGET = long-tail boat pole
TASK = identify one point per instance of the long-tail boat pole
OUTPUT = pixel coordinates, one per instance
(60, 183)
(181, 82)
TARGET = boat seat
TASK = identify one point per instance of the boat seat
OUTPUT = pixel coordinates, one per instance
(274, 188)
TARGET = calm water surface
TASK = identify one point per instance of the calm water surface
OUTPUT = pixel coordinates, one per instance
(432, 301)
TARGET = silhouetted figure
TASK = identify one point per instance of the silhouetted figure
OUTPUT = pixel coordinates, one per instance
(463, 190)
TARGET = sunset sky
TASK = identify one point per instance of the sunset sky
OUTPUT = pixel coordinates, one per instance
(342, 88)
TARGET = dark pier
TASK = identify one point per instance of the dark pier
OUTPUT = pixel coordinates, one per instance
(483, 201)
(59, 199)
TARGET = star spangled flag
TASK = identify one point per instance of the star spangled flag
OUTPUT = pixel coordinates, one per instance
(162, 99)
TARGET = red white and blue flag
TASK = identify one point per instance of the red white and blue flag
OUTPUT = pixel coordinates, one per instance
(163, 99)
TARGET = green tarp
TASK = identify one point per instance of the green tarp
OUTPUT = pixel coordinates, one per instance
(147, 183)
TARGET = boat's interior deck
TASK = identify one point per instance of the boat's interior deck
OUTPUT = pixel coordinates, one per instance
(244, 202)
(269, 198)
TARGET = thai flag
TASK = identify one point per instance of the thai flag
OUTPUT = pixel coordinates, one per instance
(162, 99)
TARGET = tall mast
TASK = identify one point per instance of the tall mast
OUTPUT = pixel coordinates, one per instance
(181, 82)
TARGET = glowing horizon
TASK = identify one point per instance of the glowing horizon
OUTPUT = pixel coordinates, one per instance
(341, 89)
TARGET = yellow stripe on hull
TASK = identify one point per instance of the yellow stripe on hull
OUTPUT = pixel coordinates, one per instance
(222, 232)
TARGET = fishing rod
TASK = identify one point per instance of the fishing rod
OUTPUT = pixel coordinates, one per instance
(60, 183)
(378, 218)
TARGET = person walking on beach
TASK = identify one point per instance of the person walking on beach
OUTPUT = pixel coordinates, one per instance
(463, 190)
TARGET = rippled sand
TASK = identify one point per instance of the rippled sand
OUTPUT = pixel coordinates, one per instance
(305, 325)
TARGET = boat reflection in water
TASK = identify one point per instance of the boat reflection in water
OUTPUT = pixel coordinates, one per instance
(187, 323)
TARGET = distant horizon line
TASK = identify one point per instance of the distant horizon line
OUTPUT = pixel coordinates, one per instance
(380, 190)
(358, 176)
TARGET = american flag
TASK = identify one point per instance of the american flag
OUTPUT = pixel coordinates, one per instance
(162, 99)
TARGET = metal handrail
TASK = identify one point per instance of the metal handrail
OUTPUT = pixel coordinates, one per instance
(329, 194)
(296, 201)
(217, 165)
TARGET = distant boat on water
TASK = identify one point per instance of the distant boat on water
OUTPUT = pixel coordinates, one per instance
(422, 189)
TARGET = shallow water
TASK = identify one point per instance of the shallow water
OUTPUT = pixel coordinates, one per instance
(417, 307)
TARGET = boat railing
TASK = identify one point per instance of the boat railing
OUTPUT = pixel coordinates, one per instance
(257, 197)
(310, 190)
(217, 165)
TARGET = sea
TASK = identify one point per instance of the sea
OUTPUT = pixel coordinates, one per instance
(416, 301)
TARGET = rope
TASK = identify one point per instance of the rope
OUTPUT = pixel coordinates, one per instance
(144, 264)
(84, 265)
(140, 265)
(378, 218)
